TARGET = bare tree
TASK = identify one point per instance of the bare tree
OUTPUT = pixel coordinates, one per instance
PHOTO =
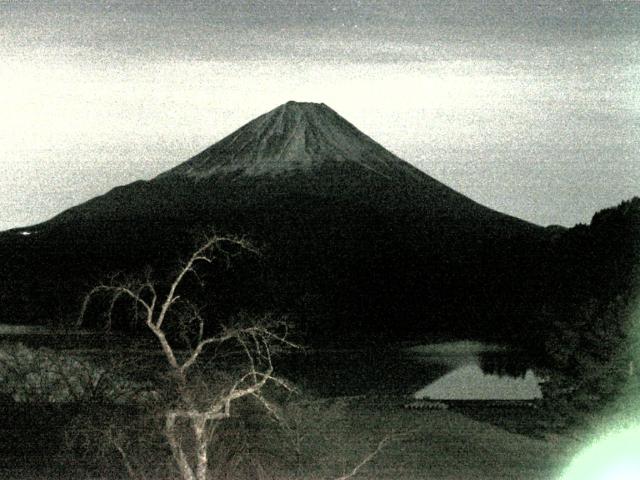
(198, 405)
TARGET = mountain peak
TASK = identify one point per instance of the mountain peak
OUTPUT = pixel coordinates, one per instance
(292, 104)
(295, 136)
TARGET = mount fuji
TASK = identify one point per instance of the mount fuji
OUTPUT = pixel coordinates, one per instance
(354, 238)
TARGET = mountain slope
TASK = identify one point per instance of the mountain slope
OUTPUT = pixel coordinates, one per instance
(293, 137)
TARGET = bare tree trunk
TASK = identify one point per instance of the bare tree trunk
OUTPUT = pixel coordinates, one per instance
(199, 425)
(178, 454)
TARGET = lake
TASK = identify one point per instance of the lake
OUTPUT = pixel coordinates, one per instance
(464, 370)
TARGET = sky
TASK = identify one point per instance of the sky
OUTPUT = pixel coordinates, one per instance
(530, 108)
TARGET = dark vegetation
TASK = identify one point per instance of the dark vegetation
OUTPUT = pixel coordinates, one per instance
(586, 334)
(566, 296)
(581, 338)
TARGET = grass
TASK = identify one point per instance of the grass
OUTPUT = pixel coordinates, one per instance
(434, 445)
(447, 444)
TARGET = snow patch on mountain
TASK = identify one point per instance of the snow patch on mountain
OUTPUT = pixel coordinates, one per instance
(293, 137)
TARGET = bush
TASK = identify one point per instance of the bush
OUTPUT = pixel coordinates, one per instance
(42, 375)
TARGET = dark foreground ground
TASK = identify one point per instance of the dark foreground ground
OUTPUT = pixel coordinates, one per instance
(459, 443)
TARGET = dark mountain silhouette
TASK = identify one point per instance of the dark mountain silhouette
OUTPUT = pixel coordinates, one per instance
(356, 241)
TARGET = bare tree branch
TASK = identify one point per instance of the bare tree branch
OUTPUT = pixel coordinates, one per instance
(366, 459)
(115, 441)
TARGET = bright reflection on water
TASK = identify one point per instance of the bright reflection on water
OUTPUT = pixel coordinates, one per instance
(451, 371)
(477, 372)
(471, 383)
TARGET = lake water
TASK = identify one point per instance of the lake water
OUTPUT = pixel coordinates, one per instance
(442, 371)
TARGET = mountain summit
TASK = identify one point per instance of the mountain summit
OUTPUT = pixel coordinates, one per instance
(294, 137)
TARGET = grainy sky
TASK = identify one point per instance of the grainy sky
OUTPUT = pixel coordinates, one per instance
(531, 108)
